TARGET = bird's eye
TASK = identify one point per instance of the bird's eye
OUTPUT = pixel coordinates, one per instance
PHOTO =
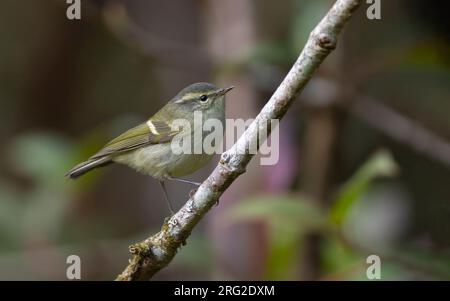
(203, 98)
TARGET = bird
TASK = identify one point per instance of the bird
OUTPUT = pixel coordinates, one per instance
(146, 147)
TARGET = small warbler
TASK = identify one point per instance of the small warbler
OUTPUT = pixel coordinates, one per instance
(146, 147)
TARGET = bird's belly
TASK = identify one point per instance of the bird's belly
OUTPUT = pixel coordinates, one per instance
(159, 161)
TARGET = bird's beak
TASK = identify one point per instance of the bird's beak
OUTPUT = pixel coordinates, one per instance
(225, 90)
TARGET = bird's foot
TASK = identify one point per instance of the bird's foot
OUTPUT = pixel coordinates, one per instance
(192, 192)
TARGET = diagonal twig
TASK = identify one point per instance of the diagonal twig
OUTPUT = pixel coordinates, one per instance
(401, 128)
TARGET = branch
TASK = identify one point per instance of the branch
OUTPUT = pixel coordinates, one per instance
(401, 128)
(375, 113)
(129, 32)
(156, 252)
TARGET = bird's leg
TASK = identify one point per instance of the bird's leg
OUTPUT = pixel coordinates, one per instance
(166, 196)
(184, 181)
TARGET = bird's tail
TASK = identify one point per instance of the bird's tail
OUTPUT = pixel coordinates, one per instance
(86, 166)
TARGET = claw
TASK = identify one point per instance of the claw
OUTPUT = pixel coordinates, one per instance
(192, 192)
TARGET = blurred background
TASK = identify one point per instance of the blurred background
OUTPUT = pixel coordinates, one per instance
(364, 152)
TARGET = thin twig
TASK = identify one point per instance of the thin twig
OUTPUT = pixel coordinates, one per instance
(157, 251)
(395, 125)
(401, 128)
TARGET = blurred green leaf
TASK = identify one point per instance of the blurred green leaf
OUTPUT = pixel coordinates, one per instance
(339, 262)
(434, 265)
(433, 54)
(42, 156)
(381, 164)
(296, 209)
(10, 211)
(284, 247)
(286, 219)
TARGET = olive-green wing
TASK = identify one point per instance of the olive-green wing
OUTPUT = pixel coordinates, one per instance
(152, 132)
